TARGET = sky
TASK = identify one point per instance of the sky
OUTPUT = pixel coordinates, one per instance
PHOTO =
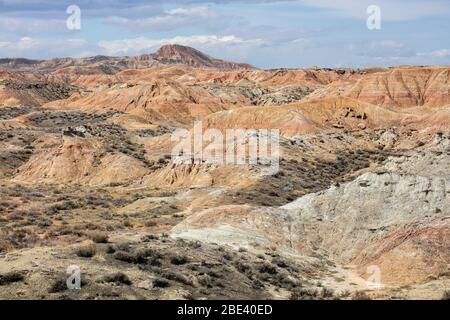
(264, 33)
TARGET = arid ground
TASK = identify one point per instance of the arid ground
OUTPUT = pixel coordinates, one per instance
(87, 179)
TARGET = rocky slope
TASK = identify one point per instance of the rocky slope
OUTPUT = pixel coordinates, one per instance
(22, 92)
(398, 223)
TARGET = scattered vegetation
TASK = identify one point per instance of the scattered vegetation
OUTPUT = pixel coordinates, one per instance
(99, 237)
(86, 251)
(446, 295)
(179, 260)
(118, 278)
(361, 295)
(160, 283)
(10, 277)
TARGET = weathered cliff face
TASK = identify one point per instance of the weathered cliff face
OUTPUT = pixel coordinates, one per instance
(350, 217)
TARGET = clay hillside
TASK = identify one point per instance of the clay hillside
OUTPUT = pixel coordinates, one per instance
(87, 179)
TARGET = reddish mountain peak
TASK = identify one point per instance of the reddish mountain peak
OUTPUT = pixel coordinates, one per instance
(172, 50)
(178, 54)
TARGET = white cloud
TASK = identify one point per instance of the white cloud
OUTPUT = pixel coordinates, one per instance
(139, 45)
(198, 11)
(443, 53)
(171, 19)
(32, 47)
(32, 26)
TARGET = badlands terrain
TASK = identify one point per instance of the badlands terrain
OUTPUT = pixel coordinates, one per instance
(87, 179)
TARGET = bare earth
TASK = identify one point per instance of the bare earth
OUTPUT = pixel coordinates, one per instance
(87, 179)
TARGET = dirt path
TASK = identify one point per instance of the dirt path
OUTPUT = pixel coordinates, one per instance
(345, 279)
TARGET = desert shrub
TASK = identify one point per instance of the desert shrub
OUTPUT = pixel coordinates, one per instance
(267, 268)
(10, 277)
(150, 223)
(327, 293)
(149, 238)
(127, 223)
(148, 256)
(303, 294)
(214, 274)
(446, 295)
(110, 249)
(66, 205)
(160, 283)
(21, 238)
(179, 260)
(227, 256)
(360, 295)
(257, 284)
(279, 262)
(124, 256)
(99, 237)
(177, 277)
(86, 252)
(242, 267)
(44, 223)
(4, 204)
(118, 278)
(124, 246)
(144, 256)
(59, 285)
(283, 280)
(345, 294)
(205, 281)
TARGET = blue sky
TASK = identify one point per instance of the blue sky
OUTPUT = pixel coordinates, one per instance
(265, 33)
